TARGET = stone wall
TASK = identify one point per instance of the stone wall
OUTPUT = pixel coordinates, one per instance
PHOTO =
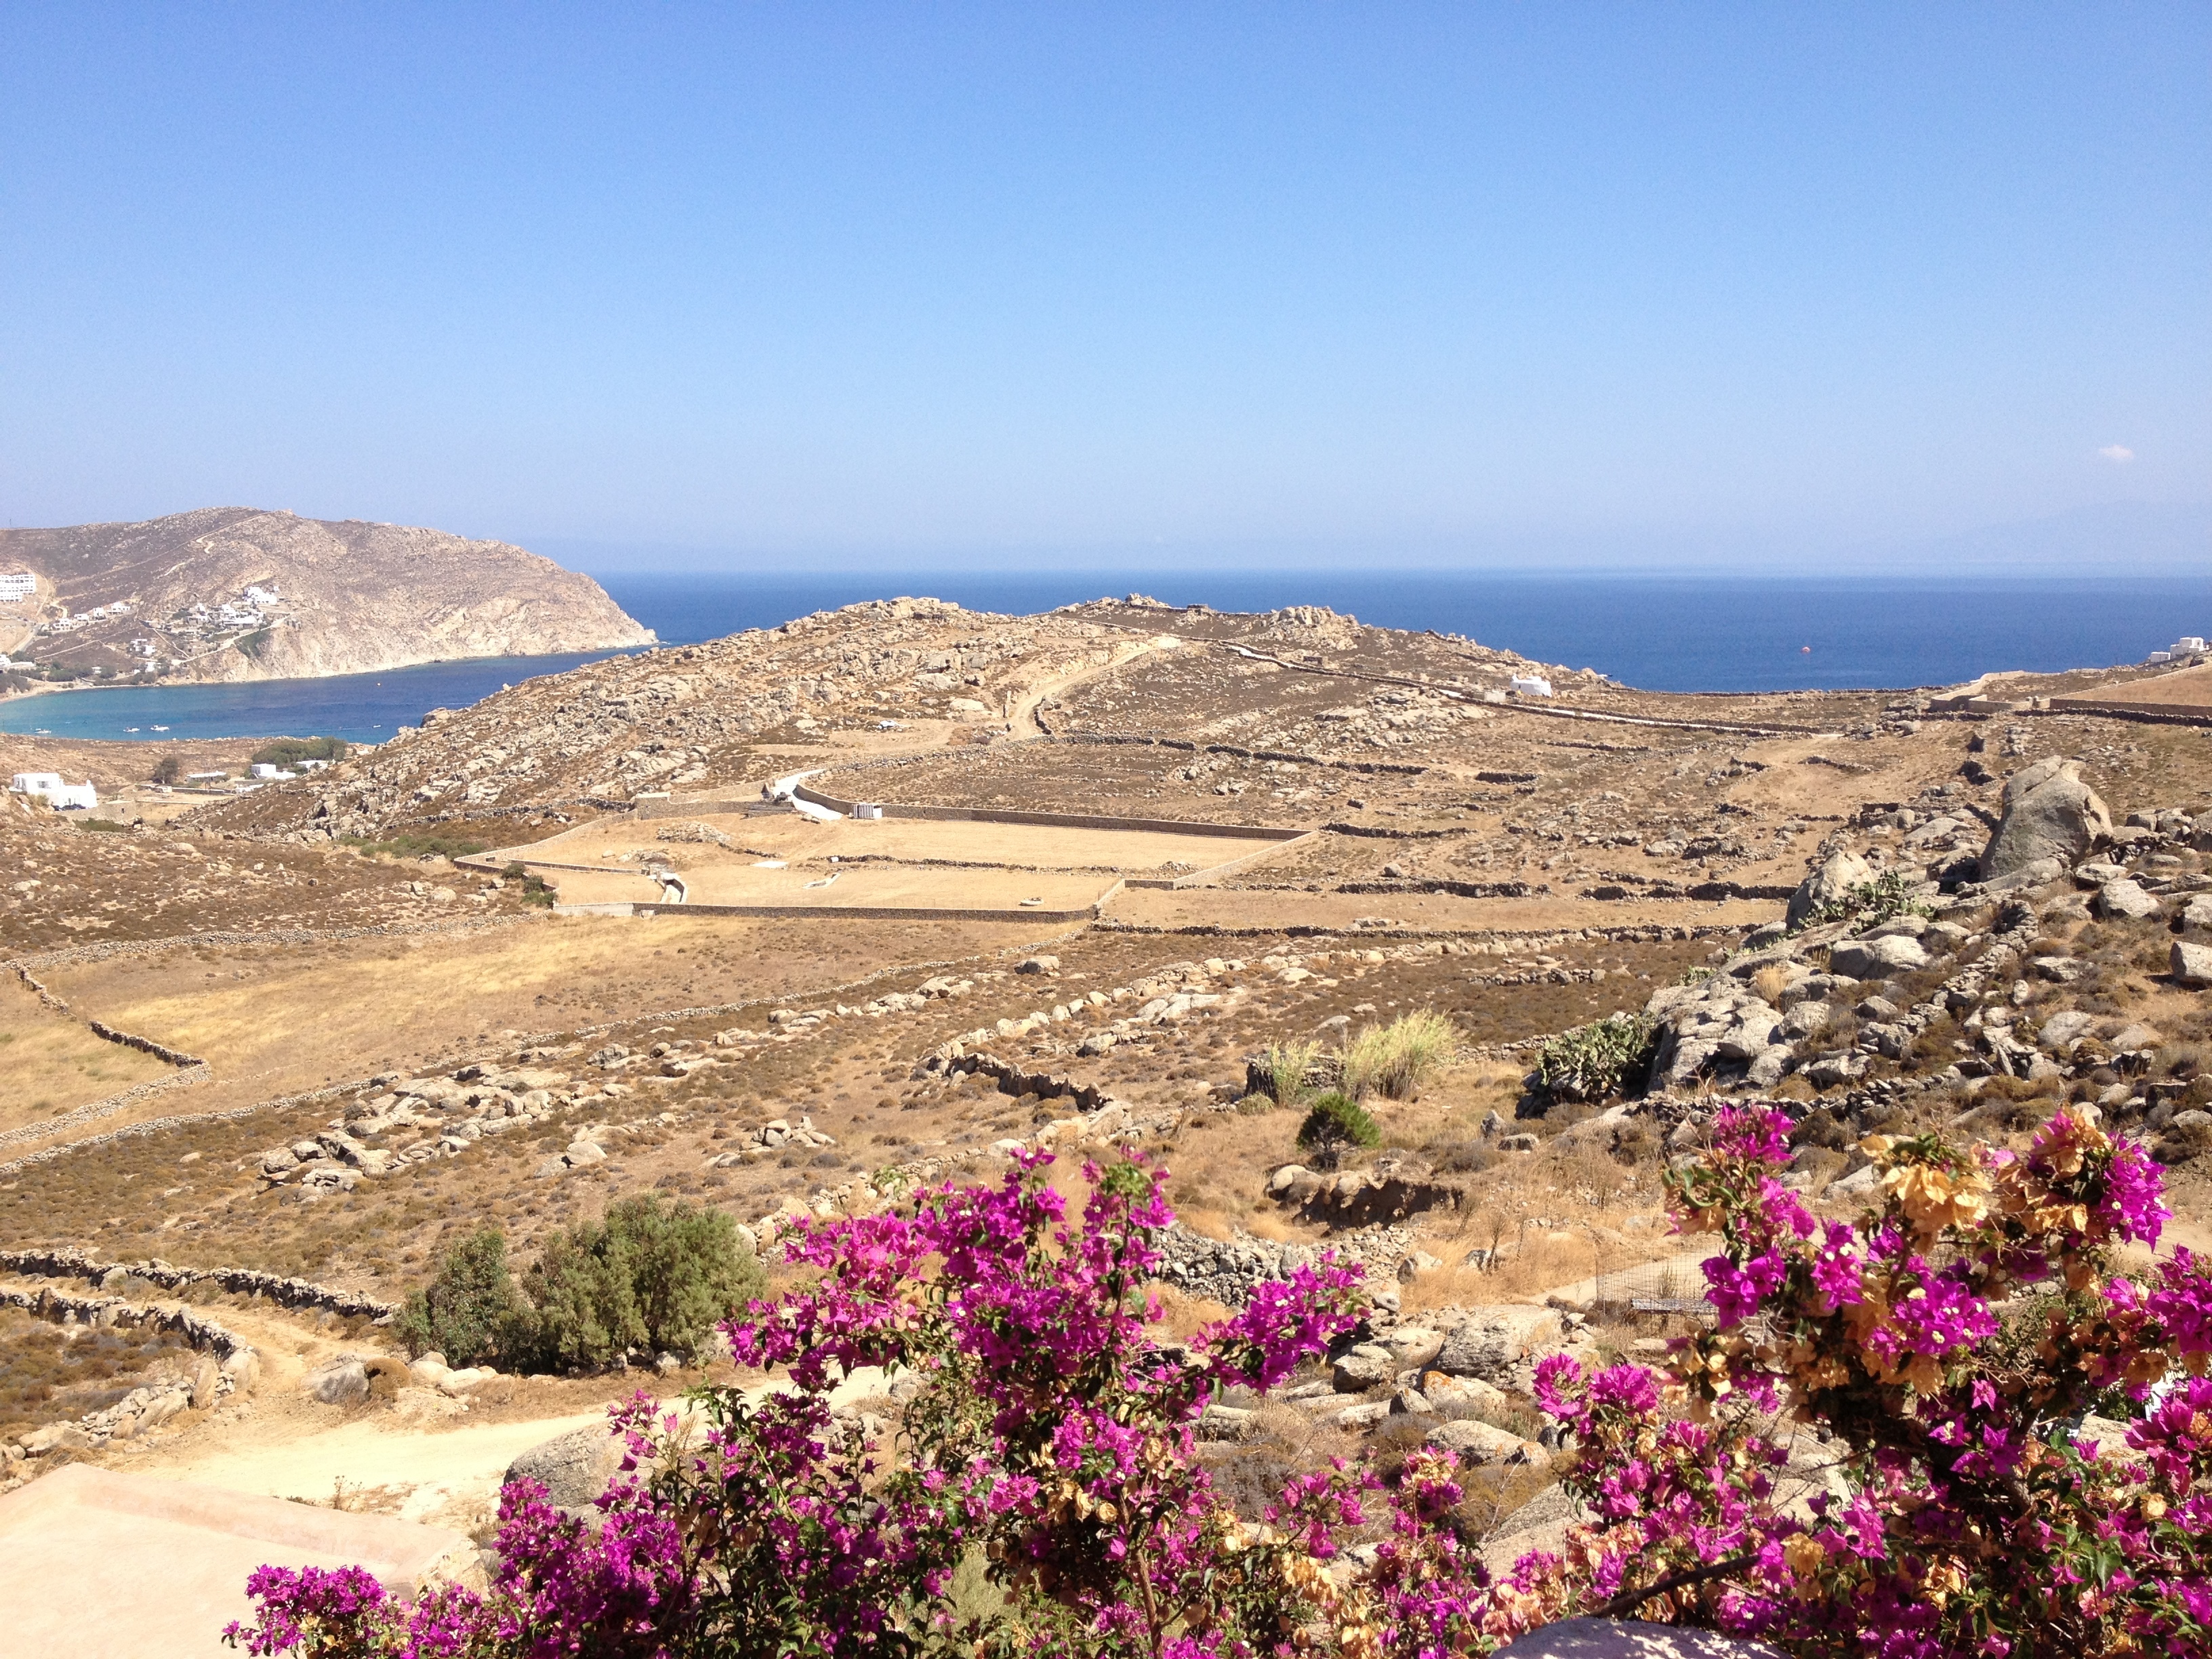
(69, 1263)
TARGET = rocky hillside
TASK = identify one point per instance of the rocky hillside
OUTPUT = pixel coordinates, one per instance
(884, 676)
(235, 594)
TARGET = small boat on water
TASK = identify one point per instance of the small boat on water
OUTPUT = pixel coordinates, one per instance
(158, 728)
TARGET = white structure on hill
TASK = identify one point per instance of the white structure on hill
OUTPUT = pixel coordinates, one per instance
(17, 586)
(49, 787)
(1532, 685)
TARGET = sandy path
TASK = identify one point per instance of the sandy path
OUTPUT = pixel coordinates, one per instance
(431, 1474)
(443, 1476)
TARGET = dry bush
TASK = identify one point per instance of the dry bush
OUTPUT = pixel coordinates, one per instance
(1770, 981)
(1286, 1065)
(1533, 1262)
(1931, 1050)
(1183, 1316)
(1455, 1155)
(1841, 1033)
(1394, 1061)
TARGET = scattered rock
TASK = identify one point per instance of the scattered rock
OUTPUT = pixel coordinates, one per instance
(1860, 1183)
(1362, 1417)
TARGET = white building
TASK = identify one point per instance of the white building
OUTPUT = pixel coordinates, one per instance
(263, 770)
(1531, 685)
(264, 595)
(49, 787)
(17, 586)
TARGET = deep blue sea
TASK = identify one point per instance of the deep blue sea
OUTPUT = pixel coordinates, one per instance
(1665, 633)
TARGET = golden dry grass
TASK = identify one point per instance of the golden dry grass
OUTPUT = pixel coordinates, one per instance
(49, 1062)
(275, 1018)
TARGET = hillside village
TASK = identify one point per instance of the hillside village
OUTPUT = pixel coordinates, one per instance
(792, 923)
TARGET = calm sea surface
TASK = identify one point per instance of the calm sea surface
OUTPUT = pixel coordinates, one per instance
(1678, 633)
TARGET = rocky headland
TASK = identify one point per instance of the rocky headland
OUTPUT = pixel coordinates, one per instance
(238, 594)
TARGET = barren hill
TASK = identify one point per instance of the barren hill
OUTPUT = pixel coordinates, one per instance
(236, 594)
(898, 676)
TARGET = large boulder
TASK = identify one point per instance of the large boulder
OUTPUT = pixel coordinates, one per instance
(574, 1467)
(2192, 965)
(207, 1379)
(2049, 813)
(1877, 958)
(343, 1382)
(1363, 1367)
(2124, 900)
(1828, 885)
(1413, 1344)
(1478, 1442)
(1491, 1342)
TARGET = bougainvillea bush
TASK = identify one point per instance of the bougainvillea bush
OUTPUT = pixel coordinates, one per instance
(1043, 1496)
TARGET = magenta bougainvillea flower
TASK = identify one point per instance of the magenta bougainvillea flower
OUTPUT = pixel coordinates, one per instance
(1945, 1344)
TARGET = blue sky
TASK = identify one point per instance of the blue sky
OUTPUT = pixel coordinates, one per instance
(785, 287)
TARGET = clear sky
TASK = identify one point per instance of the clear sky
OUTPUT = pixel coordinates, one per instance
(785, 286)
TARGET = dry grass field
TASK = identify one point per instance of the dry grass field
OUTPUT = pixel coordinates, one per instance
(858, 864)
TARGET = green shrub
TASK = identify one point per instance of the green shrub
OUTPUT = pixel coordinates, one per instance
(454, 842)
(535, 888)
(1334, 1122)
(469, 1312)
(652, 1276)
(283, 751)
(1597, 1059)
(1888, 896)
(1394, 1060)
(168, 770)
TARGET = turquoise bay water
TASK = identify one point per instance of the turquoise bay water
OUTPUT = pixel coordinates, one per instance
(1674, 634)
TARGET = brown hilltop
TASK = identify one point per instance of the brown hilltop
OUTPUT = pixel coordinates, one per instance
(333, 597)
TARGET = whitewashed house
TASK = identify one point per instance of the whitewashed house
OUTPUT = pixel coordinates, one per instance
(17, 586)
(49, 787)
(1531, 685)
